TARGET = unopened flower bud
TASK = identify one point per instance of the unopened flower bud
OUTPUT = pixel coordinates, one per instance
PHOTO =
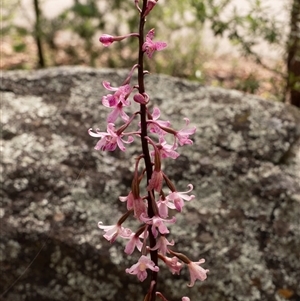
(106, 39)
(142, 99)
(150, 5)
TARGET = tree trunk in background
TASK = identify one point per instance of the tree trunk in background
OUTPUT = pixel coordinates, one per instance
(38, 32)
(293, 61)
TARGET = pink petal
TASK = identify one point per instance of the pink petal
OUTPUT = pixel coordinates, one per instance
(109, 101)
(113, 115)
(107, 86)
(97, 134)
(124, 116)
(150, 34)
(149, 52)
(120, 144)
(160, 45)
(156, 113)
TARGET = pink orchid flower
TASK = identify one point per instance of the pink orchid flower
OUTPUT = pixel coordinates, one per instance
(164, 205)
(154, 127)
(157, 223)
(137, 204)
(113, 231)
(178, 198)
(166, 150)
(173, 264)
(197, 272)
(149, 46)
(116, 101)
(140, 267)
(121, 94)
(183, 135)
(110, 139)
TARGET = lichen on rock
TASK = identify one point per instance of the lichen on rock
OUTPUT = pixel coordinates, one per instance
(244, 163)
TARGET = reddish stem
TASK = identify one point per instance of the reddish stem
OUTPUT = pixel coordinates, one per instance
(144, 134)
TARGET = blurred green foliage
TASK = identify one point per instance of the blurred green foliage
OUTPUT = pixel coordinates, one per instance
(253, 27)
(179, 22)
(245, 29)
(15, 32)
(83, 22)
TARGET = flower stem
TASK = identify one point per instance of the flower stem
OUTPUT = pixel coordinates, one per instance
(144, 134)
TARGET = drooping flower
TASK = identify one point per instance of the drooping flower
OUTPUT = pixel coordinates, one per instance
(172, 263)
(178, 198)
(196, 271)
(149, 46)
(139, 207)
(137, 204)
(113, 231)
(140, 267)
(110, 139)
(134, 200)
(156, 181)
(134, 242)
(162, 245)
(128, 199)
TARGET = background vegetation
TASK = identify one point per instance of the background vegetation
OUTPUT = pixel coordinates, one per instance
(71, 38)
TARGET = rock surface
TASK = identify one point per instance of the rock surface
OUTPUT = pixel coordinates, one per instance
(244, 165)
